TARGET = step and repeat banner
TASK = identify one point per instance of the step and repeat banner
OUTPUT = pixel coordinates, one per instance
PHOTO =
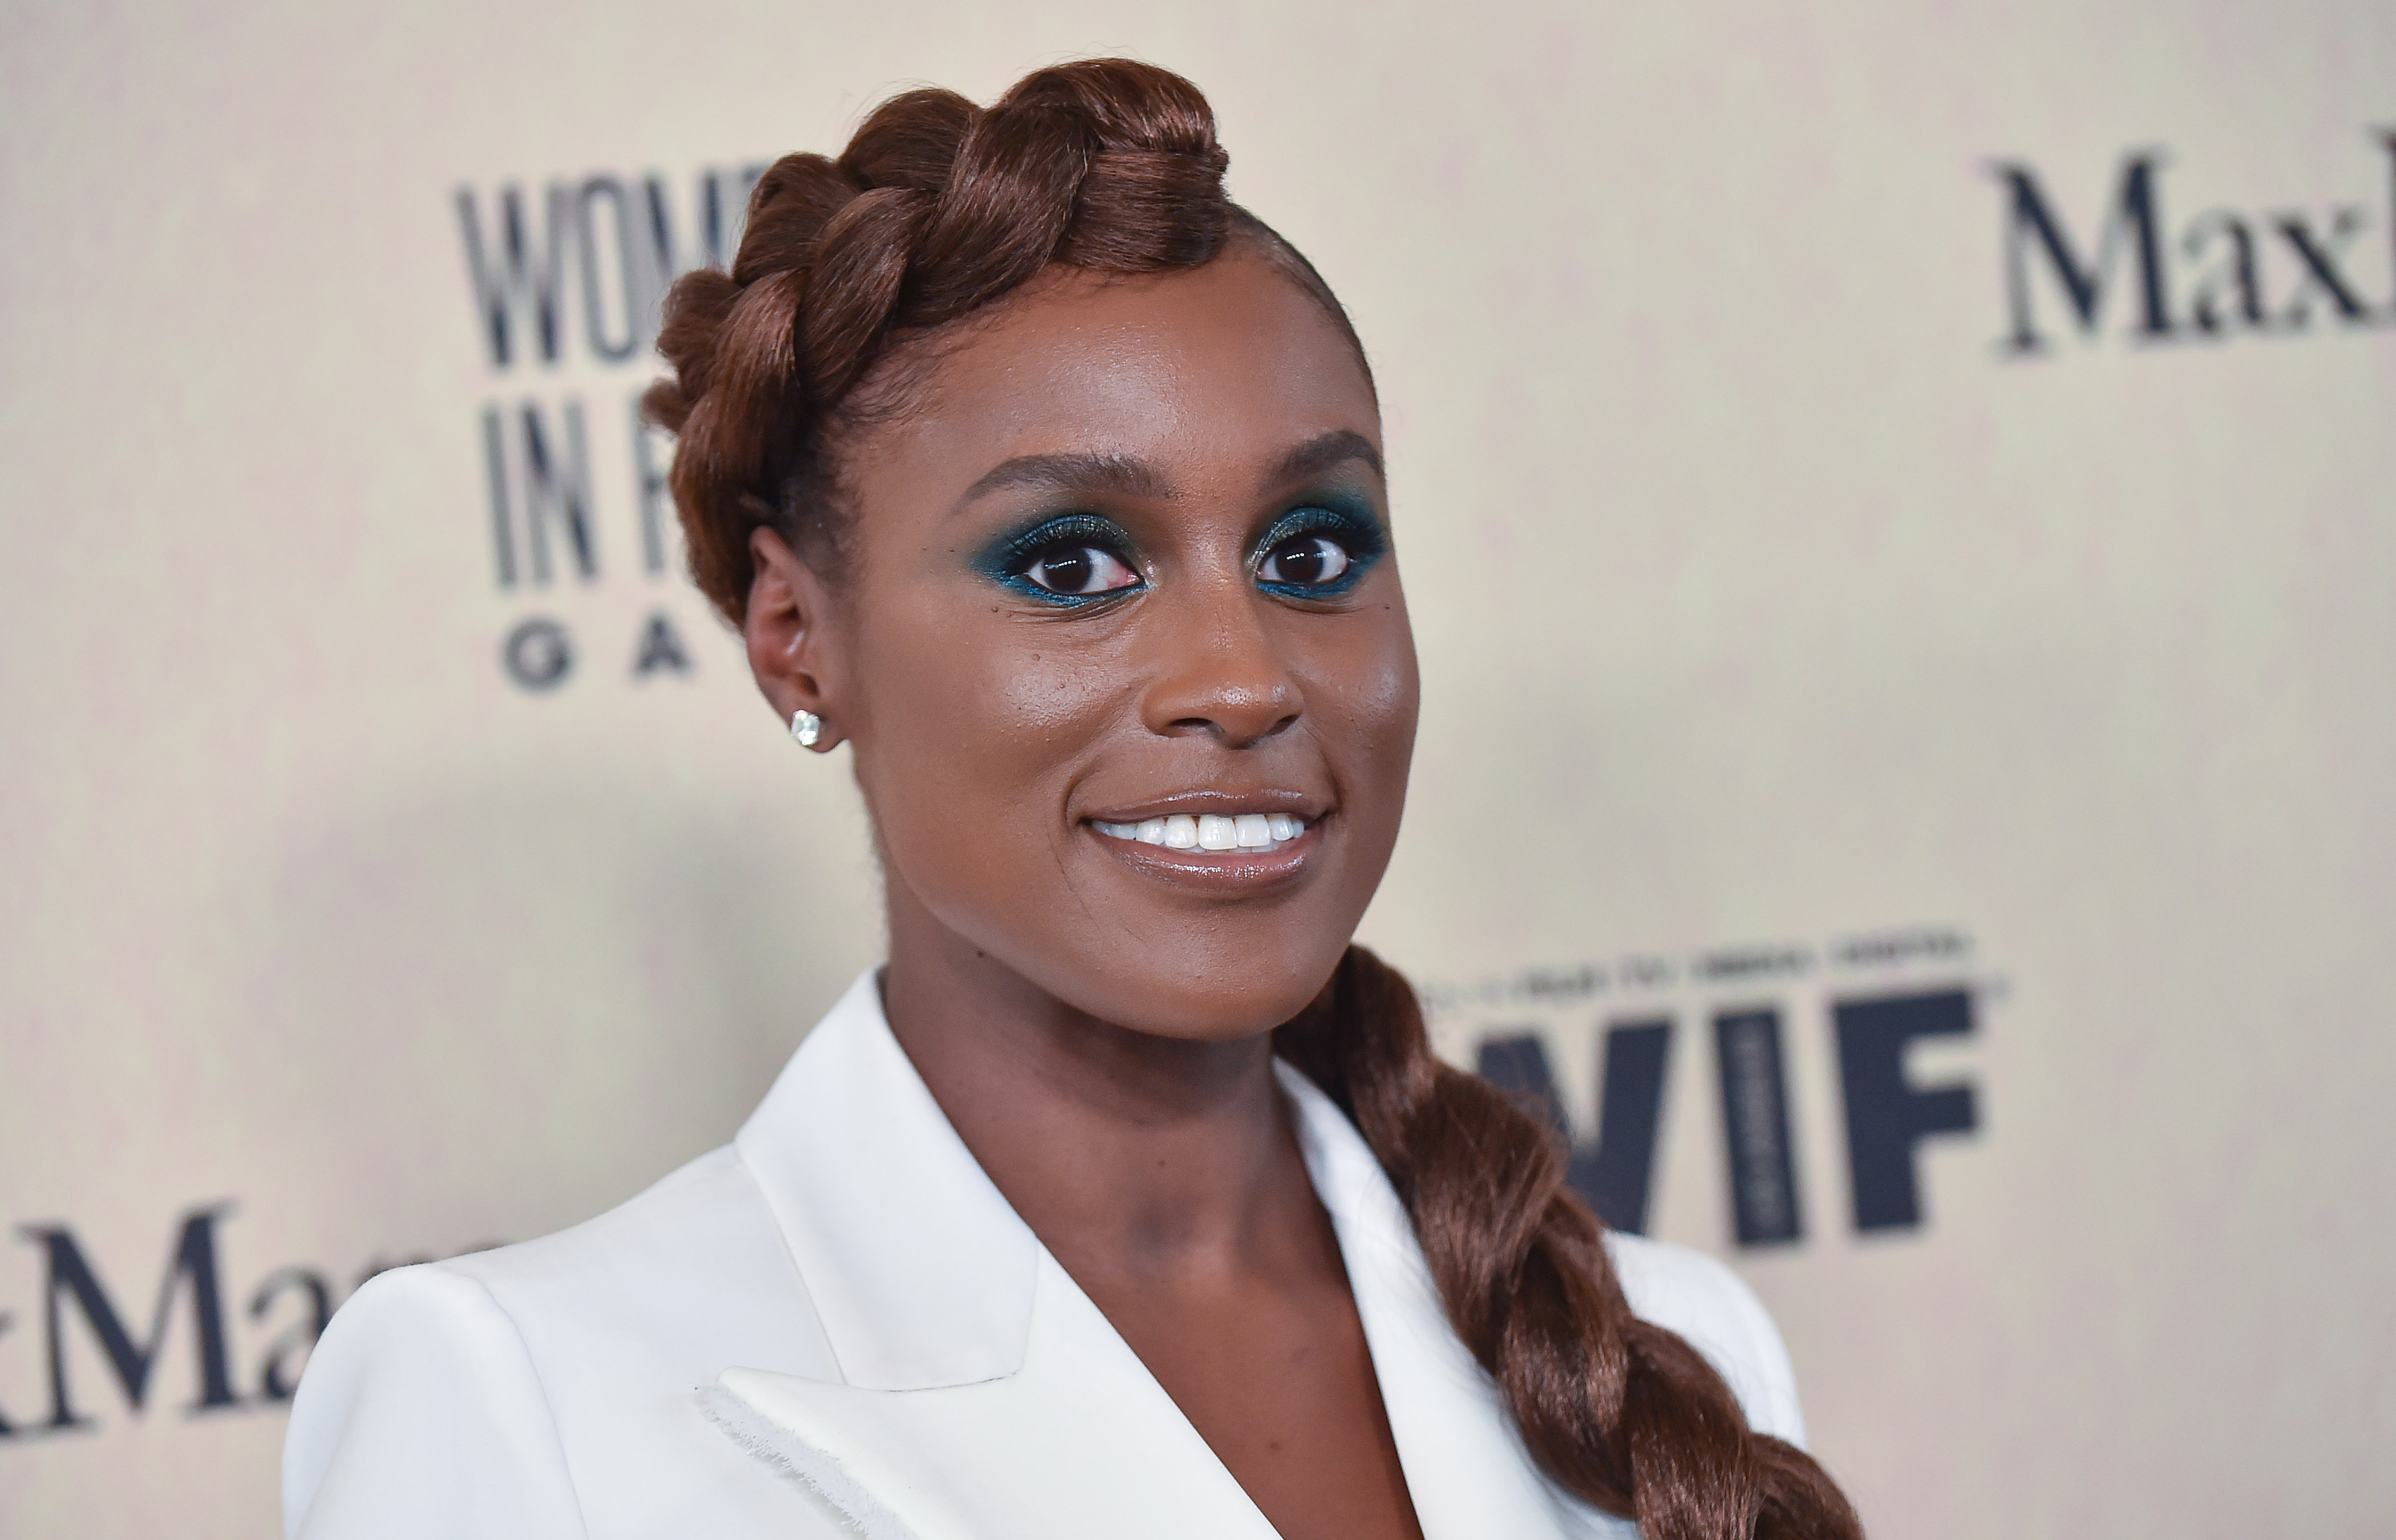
(1899, 503)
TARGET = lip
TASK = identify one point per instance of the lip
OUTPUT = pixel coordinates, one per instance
(1228, 872)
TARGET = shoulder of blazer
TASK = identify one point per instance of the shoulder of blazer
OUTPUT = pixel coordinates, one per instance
(682, 1280)
(537, 1388)
(419, 1373)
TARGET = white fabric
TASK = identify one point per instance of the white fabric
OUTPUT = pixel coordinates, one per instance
(837, 1326)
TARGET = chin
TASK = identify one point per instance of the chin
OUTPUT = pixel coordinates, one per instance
(1211, 1002)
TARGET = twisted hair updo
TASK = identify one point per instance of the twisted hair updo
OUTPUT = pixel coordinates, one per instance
(936, 209)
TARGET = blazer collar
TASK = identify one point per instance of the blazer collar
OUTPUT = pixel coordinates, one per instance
(920, 1269)
(1465, 1467)
(927, 1281)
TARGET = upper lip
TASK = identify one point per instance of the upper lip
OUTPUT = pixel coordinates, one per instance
(1297, 805)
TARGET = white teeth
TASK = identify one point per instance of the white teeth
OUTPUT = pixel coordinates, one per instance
(1246, 831)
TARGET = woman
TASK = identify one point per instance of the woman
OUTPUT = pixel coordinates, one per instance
(1127, 1199)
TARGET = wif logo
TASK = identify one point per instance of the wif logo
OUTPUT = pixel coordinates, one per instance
(1863, 1004)
(2274, 271)
(566, 282)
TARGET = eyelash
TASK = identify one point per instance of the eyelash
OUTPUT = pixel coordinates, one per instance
(1361, 536)
(1010, 561)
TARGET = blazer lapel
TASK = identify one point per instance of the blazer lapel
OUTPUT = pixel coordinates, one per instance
(1466, 1468)
(1080, 1443)
(918, 1268)
(981, 1395)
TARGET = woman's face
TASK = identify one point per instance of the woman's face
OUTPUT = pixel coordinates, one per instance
(1120, 579)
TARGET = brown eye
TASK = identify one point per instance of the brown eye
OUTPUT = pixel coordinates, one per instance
(1079, 570)
(1309, 561)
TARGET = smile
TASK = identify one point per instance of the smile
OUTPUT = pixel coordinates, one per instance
(1248, 834)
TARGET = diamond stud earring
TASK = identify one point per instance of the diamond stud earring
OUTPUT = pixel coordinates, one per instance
(805, 728)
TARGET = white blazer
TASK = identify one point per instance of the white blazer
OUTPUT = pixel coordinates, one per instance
(837, 1325)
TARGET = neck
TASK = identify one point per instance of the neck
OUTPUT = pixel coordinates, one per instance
(1129, 1153)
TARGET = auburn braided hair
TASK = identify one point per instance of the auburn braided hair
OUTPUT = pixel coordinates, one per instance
(936, 208)
(1621, 1413)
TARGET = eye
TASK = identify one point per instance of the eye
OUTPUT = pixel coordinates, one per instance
(1306, 561)
(1069, 567)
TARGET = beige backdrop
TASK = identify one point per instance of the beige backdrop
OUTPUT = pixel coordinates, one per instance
(1767, 601)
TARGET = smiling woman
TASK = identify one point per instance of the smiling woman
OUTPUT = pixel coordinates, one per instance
(1127, 1197)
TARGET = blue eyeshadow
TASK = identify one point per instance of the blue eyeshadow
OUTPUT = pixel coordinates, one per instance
(1005, 560)
(1346, 518)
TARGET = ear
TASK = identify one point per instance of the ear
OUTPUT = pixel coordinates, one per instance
(791, 649)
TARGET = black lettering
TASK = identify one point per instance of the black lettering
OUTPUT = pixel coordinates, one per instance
(718, 247)
(1888, 947)
(278, 1375)
(2031, 223)
(655, 489)
(1650, 973)
(661, 647)
(2387, 142)
(664, 253)
(1739, 963)
(1765, 1205)
(2320, 258)
(1517, 1064)
(520, 285)
(7, 1429)
(2236, 272)
(663, 265)
(746, 180)
(1887, 1116)
(1550, 986)
(557, 491)
(538, 654)
(1616, 1175)
(70, 1277)
(718, 235)
(622, 257)
(503, 529)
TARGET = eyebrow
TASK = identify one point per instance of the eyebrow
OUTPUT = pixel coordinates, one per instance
(1319, 454)
(1119, 474)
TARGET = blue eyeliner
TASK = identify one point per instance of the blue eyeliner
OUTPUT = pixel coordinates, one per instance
(1345, 518)
(1006, 560)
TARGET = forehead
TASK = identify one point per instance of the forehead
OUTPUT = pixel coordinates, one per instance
(1217, 369)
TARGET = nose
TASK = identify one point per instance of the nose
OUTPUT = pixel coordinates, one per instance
(1221, 669)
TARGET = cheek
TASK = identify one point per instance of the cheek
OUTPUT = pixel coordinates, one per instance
(967, 731)
(1373, 701)
(1393, 699)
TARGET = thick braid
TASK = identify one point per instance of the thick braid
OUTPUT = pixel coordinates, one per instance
(1620, 1411)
